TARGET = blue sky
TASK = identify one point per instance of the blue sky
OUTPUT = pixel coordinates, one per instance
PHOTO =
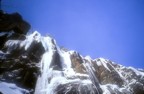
(113, 29)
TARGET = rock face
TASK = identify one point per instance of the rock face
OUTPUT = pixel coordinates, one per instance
(34, 64)
(14, 21)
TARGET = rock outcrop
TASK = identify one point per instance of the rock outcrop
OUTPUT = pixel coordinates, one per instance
(13, 22)
(34, 64)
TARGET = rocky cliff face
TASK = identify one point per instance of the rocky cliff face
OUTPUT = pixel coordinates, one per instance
(34, 64)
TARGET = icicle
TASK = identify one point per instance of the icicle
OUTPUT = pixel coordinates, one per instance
(42, 81)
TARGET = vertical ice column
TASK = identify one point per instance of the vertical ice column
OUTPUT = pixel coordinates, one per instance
(42, 82)
(89, 69)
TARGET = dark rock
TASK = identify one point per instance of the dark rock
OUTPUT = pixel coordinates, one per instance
(3, 39)
(56, 62)
(14, 21)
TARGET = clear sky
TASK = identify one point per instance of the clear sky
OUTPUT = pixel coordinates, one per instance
(113, 29)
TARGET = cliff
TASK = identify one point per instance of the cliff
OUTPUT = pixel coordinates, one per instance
(34, 64)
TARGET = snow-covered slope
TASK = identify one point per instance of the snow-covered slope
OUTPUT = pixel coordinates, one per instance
(39, 66)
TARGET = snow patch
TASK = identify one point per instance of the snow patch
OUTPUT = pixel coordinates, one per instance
(99, 63)
(88, 58)
(137, 72)
(6, 33)
(9, 88)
